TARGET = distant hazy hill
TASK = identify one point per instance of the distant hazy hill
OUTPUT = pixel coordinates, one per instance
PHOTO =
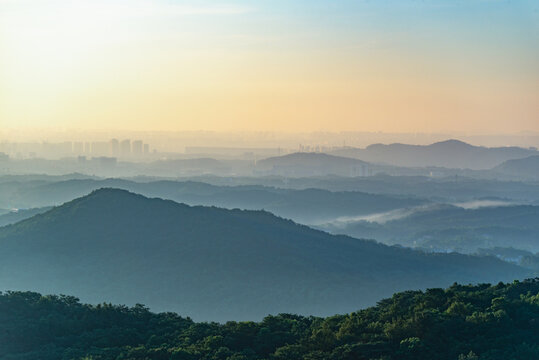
(450, 188)
(449, 154)
(43, 178)
(16, 216)
(212, 263)
(308, 206)
(522, 168)
(313, 164)
(185, 166)
(452, 228)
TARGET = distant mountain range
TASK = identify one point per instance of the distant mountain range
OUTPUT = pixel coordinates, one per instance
(445, 189)
(313, 164)
(520, 168)
(19, 215)
(447, 158)
(450, 228)
(448, 154)
(212, 263)
(306, 205)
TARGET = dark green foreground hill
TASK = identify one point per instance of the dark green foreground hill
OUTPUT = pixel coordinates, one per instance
(481, 322)
(215, 264)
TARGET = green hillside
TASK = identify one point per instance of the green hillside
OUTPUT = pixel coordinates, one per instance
(215, 264)
(480, 322)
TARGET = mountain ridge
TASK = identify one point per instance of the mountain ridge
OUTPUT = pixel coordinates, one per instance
(212, 263)
(313, 164)
(527, 167)
(302, 205)
(450, 153)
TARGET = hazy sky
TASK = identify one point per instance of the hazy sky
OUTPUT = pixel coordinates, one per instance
(399, 66)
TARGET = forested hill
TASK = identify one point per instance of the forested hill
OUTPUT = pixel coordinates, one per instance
(305, 206)
(523, 168)
(449, 154)
(215, 264)
(480, 322)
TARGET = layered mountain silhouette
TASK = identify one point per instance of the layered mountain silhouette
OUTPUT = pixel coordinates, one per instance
(449, 154)
(313, 164)
(521, 168)
(212, 263)
(451, 228)
(305, 205)
(16, 216)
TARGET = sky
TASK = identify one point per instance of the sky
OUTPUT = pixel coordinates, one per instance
(276, 65)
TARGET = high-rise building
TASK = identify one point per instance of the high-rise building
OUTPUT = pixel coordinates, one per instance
(146, 149)
(125, 148)
(100, 148)
(137, 148)
(115, 147)
(56, 150)
(78, 148)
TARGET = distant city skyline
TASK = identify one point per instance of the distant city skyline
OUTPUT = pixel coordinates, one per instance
(124, 149)
(130, 146)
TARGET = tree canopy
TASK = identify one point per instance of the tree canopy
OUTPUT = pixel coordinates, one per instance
(482, 322)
